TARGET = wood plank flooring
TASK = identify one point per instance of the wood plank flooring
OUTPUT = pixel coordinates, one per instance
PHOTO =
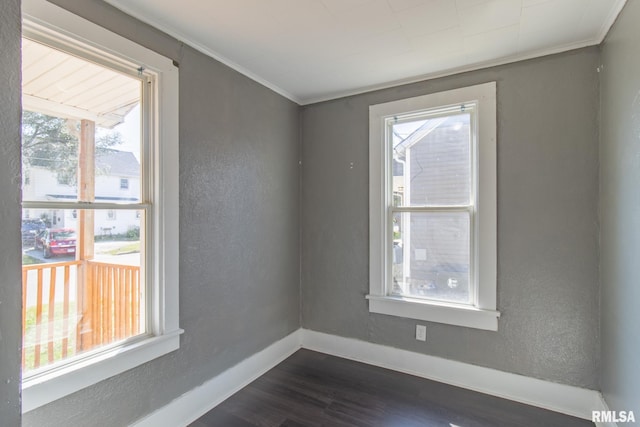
(314, 389)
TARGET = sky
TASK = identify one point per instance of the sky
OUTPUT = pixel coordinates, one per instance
(130, 131)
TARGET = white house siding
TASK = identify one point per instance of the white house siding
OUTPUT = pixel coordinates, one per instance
(43, 184)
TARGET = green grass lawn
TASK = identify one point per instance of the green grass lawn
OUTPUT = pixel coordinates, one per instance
(57, 322)
(28, 260)
(129, 248)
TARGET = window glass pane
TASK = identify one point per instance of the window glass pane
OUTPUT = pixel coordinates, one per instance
(80, 297)
(72, 103)
(431, 256)
(432, 161)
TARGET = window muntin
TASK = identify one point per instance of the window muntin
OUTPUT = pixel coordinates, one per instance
(433, 219)
(82, 301)
(431, 203)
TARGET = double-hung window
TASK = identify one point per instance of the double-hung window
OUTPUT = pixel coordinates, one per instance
(432, 218)
(100, 267)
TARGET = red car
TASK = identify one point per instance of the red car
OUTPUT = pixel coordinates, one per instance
(57, 241)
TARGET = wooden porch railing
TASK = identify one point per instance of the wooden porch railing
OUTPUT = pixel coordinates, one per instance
(62, 316)
(112, 310)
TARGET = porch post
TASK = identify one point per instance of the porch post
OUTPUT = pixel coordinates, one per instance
(85, 234)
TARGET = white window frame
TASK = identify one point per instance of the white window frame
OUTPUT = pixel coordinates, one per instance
(482, 312)
(45, 20)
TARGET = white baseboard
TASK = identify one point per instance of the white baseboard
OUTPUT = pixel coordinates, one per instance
(556, 397)
(574, 401)
(197, 402)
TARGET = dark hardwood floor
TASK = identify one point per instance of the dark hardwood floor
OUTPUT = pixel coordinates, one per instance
(314, 389)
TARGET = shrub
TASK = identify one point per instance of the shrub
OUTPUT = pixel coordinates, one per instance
(133, 233)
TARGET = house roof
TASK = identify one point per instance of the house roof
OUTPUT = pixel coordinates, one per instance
(120, 163)
(59, 84)
(419, 134)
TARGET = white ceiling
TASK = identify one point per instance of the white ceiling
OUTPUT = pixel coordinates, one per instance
(313, 50)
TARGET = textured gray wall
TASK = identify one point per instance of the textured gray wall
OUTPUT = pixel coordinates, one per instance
(239, 271)
(620, 212)
(547, 222)
(10, 258)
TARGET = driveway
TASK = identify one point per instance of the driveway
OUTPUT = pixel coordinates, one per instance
(101, 250)
(37, 254)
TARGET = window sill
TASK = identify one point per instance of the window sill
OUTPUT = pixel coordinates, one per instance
(57, 383)
(451, 314)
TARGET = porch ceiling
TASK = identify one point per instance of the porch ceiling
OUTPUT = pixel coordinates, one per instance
(59, 84)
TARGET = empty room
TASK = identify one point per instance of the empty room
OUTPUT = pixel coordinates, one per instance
(338, 213)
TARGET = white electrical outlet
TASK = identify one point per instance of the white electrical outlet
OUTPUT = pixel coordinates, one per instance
(421, 332)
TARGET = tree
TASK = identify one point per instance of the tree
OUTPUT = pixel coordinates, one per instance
(52, 143)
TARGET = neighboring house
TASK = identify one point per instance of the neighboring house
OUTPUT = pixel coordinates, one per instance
(117, 179)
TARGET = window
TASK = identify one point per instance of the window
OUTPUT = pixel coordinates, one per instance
(99, 298)
(124, 183)
(432, 175)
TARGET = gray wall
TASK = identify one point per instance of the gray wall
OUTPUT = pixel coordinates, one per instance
(547, 222)
(620, 212)
(10, 290)
(239, 273)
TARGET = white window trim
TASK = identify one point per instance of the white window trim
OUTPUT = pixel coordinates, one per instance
(41, 17)
(482, 314)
